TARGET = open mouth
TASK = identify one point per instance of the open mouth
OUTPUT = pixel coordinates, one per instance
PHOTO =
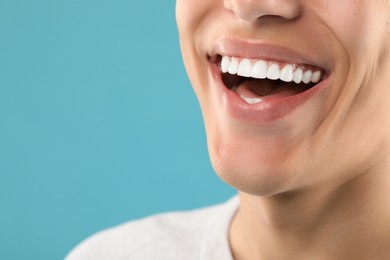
(256, 81)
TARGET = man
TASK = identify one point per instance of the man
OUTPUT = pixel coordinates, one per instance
(295, 99)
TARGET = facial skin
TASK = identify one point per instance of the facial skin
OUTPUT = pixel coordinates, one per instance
(340, 135)
(318, 176)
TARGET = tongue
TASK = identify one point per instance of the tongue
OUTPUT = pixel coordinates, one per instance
(267, 89)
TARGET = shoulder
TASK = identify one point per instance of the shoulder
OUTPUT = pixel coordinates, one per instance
(175, 235)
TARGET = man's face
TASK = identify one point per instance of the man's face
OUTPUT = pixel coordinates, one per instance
(303, 93)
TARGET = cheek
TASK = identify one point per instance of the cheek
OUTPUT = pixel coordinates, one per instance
(357, 25)
(190, 17)
(361, 27)
(189, 14)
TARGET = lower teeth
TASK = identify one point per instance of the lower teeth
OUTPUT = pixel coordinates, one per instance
(251, 101)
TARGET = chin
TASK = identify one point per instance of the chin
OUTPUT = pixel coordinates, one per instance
(256, 171)
(251, 180)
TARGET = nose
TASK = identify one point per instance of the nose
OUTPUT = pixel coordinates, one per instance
(252, 10)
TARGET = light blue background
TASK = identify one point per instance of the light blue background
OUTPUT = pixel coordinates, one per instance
(98, 122)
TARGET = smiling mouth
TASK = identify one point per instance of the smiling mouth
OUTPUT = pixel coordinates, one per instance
(255, 81)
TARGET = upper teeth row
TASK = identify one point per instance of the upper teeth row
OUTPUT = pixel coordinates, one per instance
(261, 69)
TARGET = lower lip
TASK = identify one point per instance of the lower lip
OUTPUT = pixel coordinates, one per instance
(268, 111)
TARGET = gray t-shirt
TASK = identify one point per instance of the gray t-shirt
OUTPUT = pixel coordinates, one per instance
(200, 234)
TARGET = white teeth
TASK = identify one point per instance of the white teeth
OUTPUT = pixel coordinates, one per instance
(244, 69)
(273, 72)
(306, 78)
(264, 69)
(233, 67)
(287, 73)
(298, 73)
(315, 78)
(225, 64)
(259, 70)
(251, 101)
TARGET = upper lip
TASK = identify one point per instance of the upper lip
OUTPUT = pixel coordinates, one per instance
(263, 50)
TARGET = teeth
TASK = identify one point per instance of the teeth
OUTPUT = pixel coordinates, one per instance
(306, 78)
(261, 69)
(287, 73)
(273, 72)
(315, 78)
(244, 69)
(225, 63)
(233, 67)
(251, 101)
(298, 73)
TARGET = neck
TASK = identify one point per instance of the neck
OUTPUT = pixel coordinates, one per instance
(349, 221)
